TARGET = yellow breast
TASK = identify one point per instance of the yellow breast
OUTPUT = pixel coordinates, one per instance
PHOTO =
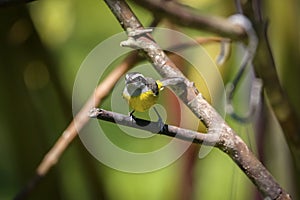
(143, 102)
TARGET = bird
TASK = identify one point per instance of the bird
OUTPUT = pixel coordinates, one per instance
(141, 92)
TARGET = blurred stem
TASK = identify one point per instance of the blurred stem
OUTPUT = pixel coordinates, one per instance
(187, 188)
(261, 122)
(265, 68)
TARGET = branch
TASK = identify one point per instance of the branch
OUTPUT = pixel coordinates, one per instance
(155, 127)
(184, 16)
(233, 145)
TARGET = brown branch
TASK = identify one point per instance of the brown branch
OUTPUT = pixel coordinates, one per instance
(233, 145)
(184, 16)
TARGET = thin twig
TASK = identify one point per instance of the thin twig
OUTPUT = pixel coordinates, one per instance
(233, 145)
(231, 88)
(199, 40)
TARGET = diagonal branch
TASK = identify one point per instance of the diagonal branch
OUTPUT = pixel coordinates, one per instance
(233, 145)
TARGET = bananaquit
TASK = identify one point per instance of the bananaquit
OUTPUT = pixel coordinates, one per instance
(142, 92)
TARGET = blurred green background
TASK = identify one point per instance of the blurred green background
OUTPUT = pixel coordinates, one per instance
(42, 46)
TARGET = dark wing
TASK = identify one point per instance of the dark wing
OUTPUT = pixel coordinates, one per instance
(152, 85)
